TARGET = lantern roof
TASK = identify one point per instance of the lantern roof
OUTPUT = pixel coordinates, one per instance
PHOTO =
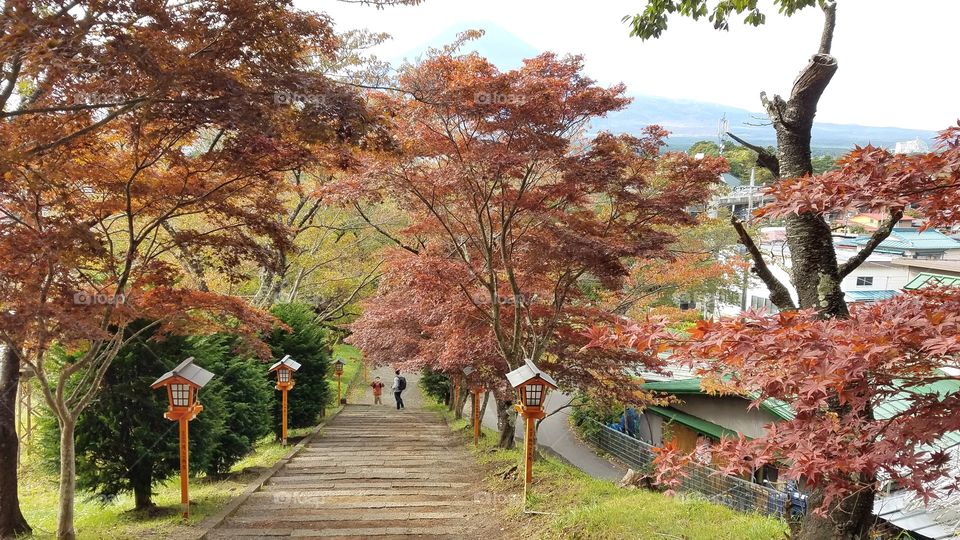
(287, 362)
(187, 370)
(528, 372)
(468, 370)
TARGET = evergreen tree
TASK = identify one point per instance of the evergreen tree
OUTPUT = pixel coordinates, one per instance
(244, 395)
(309, 344)
(123, 442)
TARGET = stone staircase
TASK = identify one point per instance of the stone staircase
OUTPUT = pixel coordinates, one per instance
(373, 472)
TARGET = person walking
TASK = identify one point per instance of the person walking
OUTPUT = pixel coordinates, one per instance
(399, 385)
(377, 386)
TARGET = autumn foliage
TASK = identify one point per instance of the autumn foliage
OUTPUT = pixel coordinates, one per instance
(872, 394)
(518, 219)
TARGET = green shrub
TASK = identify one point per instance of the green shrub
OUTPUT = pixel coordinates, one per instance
(309, 344)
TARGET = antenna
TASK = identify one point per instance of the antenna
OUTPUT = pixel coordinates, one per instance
(722, 128)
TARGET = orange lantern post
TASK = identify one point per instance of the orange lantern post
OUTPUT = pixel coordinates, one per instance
(338, 369)
(284, 370)
(183, 384)
(532, 386)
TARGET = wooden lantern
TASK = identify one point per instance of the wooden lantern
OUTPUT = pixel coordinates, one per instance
(532, 386)
(183, 384)
(284, 369)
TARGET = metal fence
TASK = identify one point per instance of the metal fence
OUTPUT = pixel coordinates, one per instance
(717, 487)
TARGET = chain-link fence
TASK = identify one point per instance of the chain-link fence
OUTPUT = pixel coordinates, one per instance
(727, 490)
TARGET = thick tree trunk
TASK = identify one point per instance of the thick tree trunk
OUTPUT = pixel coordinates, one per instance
(506, 423)
(815, 272)
(141, 480)
(848, 520)
(12, 522)
(464, 396)
(68, 481)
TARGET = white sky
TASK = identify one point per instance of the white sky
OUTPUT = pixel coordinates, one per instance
(897, 65)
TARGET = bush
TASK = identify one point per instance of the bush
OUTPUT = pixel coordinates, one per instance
(436, 385)
(243, 395)
(123, 442)
(309, 344)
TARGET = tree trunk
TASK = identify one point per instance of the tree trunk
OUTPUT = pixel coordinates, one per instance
(506, 423)
(12, 522)
(464, 396)
(68, 481)
(815, 272)
(848, 520)
(483, 408)
(141, 479)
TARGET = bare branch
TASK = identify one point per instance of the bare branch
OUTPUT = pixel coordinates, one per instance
(779, 294)
(764, 158)
(878, 236)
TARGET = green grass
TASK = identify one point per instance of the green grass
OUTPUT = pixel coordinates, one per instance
(576, 506)
(115, 519)
(352, 356)
(39, 488)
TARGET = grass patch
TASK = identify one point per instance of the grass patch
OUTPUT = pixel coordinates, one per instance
(117, 519)
(577, 506)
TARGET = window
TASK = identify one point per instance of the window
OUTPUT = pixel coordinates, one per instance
(865, 281)
(759, 302)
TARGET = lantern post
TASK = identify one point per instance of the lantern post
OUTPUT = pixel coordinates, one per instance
(284, 370)
(183, 384)
(338, 369)
(532, 386)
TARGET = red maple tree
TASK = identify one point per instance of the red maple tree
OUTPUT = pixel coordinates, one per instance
(841, 375)
(519, 219)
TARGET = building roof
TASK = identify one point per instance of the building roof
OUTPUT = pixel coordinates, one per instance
(286, 361)
(938, 518)
(926, 279)
(940, 265)
(775, 407)
(697, 424)
(904, 239)
(730, 180)
(187, 370)
(526, 372)
(868, 296)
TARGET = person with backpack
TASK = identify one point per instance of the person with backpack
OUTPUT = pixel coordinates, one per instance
(399, 385)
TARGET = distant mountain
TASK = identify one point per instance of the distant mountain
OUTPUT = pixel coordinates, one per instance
(691, 121)
(688, 121)
(498, 45)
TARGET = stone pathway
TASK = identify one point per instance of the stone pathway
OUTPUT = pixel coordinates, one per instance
(373, 472)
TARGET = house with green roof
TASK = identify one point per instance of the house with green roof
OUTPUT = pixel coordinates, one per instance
(698, 417)
(910, 243)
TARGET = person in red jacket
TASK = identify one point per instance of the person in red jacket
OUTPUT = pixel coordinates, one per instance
(377, 390)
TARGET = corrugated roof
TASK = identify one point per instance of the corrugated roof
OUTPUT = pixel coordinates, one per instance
(908, 239)
(692, 422)
(926, 279)
(775, 407)
(868, 296)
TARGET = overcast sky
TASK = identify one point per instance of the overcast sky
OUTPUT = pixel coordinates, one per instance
(897, 65)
